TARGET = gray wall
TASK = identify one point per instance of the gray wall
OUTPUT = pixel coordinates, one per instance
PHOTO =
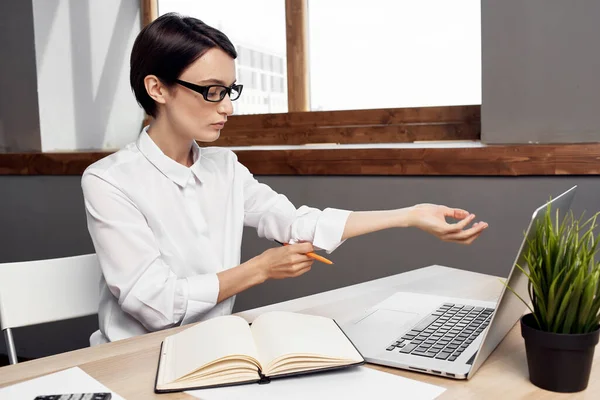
(43, 216)
(540, 63)
(18, 79)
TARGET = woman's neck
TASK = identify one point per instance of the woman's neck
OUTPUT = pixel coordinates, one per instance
(175, 147)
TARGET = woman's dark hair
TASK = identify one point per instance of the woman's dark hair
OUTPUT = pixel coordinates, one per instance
(166, 47)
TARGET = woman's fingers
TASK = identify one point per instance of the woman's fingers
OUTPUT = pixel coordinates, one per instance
(295, 269)
(455, 213)
(288, 261)
(459, 226)
(300, 248)
(302, 268)
(467, 234)
(298, 258)
(466, 241)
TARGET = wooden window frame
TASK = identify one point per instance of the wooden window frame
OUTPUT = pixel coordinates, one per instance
(301, 126)
(365, 142)
(497, 160)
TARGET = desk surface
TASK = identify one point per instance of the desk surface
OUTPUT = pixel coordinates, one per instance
(129, 366)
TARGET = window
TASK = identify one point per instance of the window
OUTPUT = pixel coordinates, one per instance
(245, 76)
(362, 54)
(243, 56)
(266, 62)
(257, 29)
(278, 65)
(394, 53)
(256, 59)
(263, 82)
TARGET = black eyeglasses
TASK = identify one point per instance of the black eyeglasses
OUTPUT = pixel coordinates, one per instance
(214, 93)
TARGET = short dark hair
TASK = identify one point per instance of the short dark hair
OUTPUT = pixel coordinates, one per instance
(166, 47)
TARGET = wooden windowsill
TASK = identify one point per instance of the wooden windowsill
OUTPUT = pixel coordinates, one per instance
(467, 158)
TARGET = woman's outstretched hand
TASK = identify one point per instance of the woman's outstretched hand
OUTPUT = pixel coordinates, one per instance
(431, 218)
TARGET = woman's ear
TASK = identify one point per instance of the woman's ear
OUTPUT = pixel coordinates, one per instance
(155, 88)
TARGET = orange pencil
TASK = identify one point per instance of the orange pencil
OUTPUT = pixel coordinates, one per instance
(312, 255)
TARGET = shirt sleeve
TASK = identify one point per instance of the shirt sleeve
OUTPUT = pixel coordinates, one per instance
(145, 286)
(275, 217)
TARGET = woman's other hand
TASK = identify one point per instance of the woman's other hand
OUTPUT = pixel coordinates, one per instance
(286, 261)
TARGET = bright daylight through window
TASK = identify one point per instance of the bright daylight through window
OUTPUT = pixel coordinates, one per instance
(394, 53)
(362, 54)
(257, 29)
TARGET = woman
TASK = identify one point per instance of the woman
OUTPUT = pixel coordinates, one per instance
(166, 216)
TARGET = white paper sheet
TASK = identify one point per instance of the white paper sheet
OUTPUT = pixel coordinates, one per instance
(352, 383)
(72, 380)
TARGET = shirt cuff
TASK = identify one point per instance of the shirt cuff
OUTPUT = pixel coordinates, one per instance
(202, 295)
(330, 228)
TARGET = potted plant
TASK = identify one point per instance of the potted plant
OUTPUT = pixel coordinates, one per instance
(562, 329)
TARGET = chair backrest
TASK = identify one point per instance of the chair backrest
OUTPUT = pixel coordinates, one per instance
(35, 292)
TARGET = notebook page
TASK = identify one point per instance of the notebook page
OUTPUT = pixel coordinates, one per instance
(278, 333)
(208, 341)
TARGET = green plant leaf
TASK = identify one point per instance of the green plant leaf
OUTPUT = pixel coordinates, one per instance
(587, 300)
(553, 299)
(562, 272)
(559, 321)
(573, 303)
(539, 306)
(594, 316)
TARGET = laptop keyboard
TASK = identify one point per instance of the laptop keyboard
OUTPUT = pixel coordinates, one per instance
(445, 333)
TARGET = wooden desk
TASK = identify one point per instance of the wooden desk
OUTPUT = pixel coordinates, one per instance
(129, 366)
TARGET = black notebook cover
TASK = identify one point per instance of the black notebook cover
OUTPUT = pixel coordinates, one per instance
(263, 379)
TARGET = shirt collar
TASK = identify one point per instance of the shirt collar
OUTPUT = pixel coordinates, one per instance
(178, 173)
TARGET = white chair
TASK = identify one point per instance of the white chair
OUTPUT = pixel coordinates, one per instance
(35, 292)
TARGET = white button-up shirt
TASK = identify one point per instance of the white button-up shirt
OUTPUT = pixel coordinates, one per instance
(162, 232)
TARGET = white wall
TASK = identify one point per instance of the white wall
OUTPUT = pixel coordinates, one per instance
(82, 56)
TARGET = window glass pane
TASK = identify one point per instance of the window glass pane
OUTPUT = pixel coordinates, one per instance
(394, 53)
(266, 61)
(254, 83)
(257, 29)
(281, 86)
(263, 82)
(278, 65)
(256, 59)
(244, 56)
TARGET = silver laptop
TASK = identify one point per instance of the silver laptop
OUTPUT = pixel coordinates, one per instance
(444, 336)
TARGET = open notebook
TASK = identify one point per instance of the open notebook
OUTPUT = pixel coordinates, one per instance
(227, 351)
